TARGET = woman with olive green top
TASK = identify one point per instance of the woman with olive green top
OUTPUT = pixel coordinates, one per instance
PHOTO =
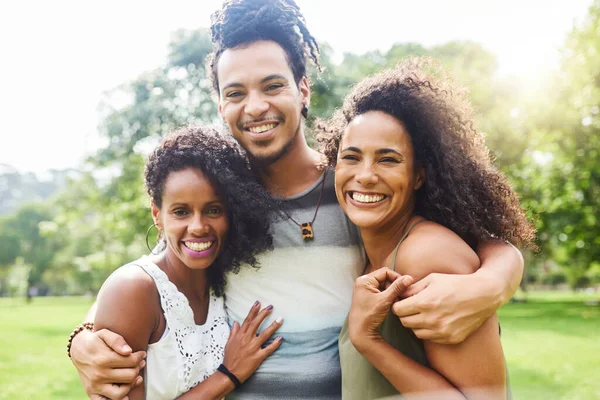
(415, 176)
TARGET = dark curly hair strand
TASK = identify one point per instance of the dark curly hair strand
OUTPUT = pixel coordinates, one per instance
(250, 207)
(463, 190)
(242, 22)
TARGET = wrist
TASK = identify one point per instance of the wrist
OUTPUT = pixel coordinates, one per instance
(230, 375)
(76, 336)
(225, 382)
(366, 342)
(490, 288)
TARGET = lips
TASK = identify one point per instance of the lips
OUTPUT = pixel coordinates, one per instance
(366, 198)
(261, 129)
(198, 246)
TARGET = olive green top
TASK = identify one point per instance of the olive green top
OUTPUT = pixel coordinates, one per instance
(360, 379)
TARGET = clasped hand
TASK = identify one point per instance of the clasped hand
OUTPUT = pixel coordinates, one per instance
(372, 299)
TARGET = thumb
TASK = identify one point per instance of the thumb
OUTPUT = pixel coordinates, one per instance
(234, 329)
(115, 342)
(398, 287)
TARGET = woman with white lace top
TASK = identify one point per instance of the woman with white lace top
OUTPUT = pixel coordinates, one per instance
(212, 216)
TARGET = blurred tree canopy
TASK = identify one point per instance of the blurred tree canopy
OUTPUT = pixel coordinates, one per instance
(546, 140)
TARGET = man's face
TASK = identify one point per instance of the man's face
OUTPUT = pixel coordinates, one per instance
(259, 99)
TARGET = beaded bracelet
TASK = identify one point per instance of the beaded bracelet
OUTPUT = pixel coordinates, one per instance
(77, 330)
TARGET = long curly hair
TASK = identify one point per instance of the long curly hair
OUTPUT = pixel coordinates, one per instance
(242, 22)
(463, 190)
(250, 207)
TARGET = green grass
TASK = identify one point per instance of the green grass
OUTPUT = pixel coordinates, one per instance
(551, 342)
(552, 346)
(33, 357)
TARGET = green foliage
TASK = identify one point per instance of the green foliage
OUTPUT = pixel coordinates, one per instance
(546, 140)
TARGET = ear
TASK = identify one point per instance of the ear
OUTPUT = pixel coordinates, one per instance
(219, 107)
(420, 177)
(304, 88)
(156, 216)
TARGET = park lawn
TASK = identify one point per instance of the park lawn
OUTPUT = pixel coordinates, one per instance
(552, 346)
(33, 357)
(551, 342)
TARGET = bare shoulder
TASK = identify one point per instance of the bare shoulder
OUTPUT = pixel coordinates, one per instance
(433, 248)
(128, 281)
(129, 304)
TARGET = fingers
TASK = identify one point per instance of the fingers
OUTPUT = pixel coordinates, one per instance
(251, 315)
(112, 391)
(254, 324)
(270, 349)
(235, 328)
(270, 330)
(114, 341)
(119, 362)
(398, 287)
(382, 275)
(414, 321)
(417, 287)
(406, 307)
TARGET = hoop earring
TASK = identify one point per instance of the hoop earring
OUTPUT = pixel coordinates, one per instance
(148, 234)
(304, 111)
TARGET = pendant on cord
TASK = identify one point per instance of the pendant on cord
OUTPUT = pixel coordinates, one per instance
(307, 231)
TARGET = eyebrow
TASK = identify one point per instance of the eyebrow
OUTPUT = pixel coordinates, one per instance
(378, 151)
(178, 204)
(263, 80)
(273, 76)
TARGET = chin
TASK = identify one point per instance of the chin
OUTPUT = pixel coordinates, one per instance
(364, 221)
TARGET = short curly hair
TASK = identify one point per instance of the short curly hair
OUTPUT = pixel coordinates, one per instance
(242, 22)
(250, 207)
(463, 190)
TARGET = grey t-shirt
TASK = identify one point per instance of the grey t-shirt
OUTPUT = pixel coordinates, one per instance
(309, 283)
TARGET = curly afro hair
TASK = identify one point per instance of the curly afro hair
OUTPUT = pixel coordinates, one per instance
(462, 190)
(250, 207)
(242, 22)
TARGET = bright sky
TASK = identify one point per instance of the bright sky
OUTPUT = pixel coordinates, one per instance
(59, 56)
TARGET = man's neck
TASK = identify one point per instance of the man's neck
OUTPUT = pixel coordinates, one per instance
(295, 172)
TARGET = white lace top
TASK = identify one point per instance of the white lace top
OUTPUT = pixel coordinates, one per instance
(187, 353)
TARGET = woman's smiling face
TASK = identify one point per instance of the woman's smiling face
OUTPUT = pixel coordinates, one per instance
(193, 218)
(375, 176)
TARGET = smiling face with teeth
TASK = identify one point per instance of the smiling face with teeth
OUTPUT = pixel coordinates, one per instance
(375, 177)
(260, 101)
(193, 219)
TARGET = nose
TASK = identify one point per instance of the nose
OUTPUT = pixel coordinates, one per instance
(256, 106)
(198, 226)
(366, 176)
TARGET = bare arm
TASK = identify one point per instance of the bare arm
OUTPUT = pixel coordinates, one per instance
(91, 314)
(446, 308)
(459, 371)
(502, 267)
(129, 305)
(472, 369)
